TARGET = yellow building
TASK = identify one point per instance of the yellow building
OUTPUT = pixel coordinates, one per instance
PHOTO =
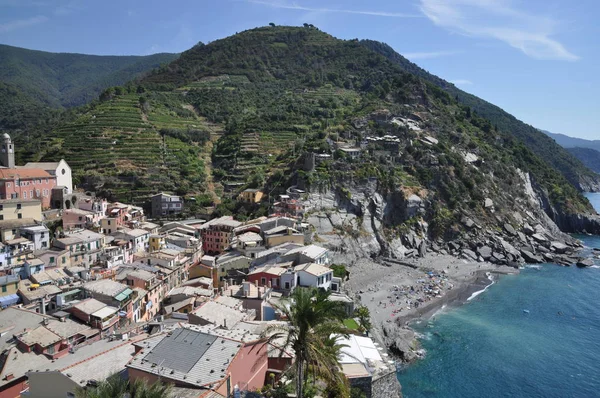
(156, 243)
(9, 285)
(250, 196)
(16, 209)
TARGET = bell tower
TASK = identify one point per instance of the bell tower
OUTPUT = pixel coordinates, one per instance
(7, 152)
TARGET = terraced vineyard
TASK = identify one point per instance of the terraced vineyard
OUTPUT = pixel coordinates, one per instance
(118, 149)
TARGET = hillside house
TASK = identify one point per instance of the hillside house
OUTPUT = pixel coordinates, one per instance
(250, 196)
(165, 205)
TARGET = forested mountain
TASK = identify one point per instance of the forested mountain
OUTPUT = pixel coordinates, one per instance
(66, 80)
(251, 109)
(535, 140)
(573, 142)
(588, 156)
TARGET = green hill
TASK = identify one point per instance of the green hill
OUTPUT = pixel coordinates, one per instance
(588, 156)
(246, 110)
(538, 142)
(66, 80)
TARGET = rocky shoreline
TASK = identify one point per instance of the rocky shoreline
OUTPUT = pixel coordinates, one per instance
(400, 294)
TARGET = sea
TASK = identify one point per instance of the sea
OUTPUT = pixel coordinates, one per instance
(536, 334)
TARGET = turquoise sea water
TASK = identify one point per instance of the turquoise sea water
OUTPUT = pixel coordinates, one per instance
(536, 334)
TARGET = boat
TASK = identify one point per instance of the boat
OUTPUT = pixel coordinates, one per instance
(526, 311)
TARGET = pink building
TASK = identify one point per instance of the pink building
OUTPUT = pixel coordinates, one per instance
(27, 184)
(216, 234)
(80, 219)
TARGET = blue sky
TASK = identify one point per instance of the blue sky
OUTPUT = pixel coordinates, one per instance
(537, 59)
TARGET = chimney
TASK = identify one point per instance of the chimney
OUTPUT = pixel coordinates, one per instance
(43, 306)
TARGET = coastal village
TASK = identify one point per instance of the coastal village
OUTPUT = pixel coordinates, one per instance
(93, 289)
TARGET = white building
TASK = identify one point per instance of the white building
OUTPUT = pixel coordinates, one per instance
(139, 238)
(61, 170)
(313, 275)
(38, 234)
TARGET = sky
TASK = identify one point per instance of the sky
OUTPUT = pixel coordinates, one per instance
(537, 59)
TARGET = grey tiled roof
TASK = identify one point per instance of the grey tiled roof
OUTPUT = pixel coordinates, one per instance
(189, 357)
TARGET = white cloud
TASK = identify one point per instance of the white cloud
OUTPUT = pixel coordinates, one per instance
(295, 6)
(429, 54)
(498, 19)
(21, 23)
(461, 82)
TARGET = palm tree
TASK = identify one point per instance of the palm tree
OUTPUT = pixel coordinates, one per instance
(117, 387)
(312, 320)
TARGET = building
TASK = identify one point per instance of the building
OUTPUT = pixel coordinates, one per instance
(307, 254)
(314, 275)
(267, 276)
(85, 247)
(253, 297)
(192, 359)
(38, 234)
(80, 219)
(17, 209)
(112, 293)
(363, 364)
(138, 238)
(250, 196)
(352, 153)
(286, 206)
(60, 170)
(9, 285)
(165, 205)
(96, 314)
(9, 229)
(7, 152)
(216, 234)
(27, 184)
(221, 315)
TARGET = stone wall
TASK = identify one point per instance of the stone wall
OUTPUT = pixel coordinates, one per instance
(362, 383)
(386, 386)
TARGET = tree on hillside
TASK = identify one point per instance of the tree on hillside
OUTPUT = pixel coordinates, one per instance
(313, 318)
(117, 387)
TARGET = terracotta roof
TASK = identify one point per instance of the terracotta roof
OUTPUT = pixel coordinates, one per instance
(11, 174)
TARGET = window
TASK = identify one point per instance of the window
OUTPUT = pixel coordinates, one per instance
(1, 217)
(24, 194)
(31, 194)
(1, 207)
(51, 260)
(64, 260)
(263, 281)
(18, 206)
(8, 185)
(19, 216)
(4, 289)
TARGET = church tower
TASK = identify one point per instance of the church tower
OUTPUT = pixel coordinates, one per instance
(7, 154)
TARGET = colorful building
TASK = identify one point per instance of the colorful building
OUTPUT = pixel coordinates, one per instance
(27, 184)
(216, 234)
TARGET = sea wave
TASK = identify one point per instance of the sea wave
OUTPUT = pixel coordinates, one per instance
(477, 293)
(595, 266)
(533, 266)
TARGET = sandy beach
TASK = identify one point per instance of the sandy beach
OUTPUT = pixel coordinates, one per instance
(399, 294)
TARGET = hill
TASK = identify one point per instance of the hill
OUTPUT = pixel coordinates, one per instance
(573, 142)
(589, 157)
(258, 108)
(538, 142)
(65, 80)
